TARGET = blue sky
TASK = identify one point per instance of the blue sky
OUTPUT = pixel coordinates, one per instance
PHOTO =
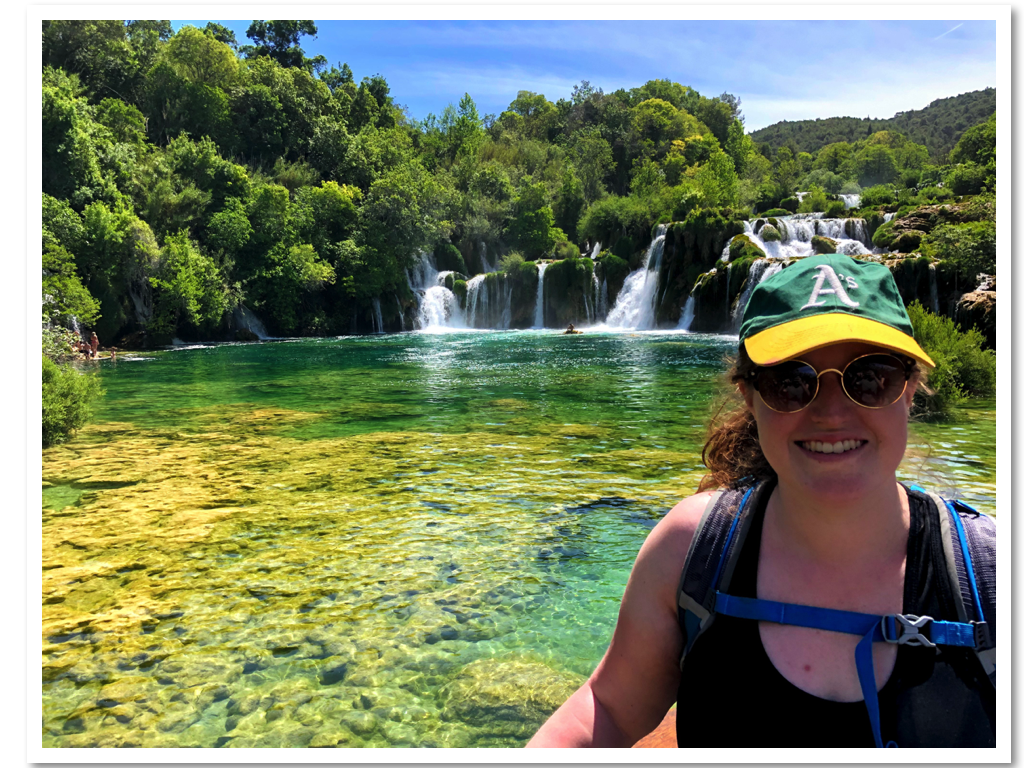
(781, 70)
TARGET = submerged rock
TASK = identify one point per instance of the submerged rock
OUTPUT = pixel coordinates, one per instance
(506, 697)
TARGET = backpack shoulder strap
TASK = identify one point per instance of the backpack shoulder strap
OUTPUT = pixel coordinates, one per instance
(711, 558)
(969, 544)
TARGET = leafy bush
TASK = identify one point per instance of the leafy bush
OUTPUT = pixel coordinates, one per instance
(963, 368)
(776, 212)
(790, 204)
(770, 234)
(67, 397)
(967, 178)
(969, 248)
(878, 195)
(835, 209)
(447, 256)
(814, 201)
(936, 194)
(851, 188)
(565, 250)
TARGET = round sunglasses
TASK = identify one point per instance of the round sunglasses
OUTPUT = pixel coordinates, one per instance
(875, 380)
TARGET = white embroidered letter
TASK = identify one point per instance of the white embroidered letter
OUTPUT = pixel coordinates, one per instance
(825, 272)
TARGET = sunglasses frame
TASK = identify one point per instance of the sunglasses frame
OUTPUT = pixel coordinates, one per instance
(908, 369)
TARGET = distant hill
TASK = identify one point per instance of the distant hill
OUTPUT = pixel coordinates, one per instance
(938, 126)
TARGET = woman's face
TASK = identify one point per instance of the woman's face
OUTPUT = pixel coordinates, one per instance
(792, 442)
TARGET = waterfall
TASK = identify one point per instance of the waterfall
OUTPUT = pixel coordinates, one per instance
(142, 300)
(438, 306)
(243, 317)
(686, 318)
(74, 325)
(595, 250)
(484, 263)
(797, 230)
(378, 319)
(401, 314)
(850, 201)
(597, 297)
(887, 217)
(933, 289)
(538, 310)
(728, 279)
(602, 299)
(473, 298)
(759, 270)
(634, 307)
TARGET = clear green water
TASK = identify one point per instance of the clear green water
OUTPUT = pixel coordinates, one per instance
(406, 540)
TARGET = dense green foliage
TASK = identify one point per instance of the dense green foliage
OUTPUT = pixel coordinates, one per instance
(963, 368)
(938, 126)
(67, 395)
(185, 176)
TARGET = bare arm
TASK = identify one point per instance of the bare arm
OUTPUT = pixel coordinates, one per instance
(636, 681)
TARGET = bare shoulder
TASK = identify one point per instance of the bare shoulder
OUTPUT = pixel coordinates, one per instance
(664, 552)
(681, 522)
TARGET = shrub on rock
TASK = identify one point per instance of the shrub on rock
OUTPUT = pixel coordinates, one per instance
(770, 234)
(742, 247)
(822, 244)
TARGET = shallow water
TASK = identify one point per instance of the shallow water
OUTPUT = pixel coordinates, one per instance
(404, 540)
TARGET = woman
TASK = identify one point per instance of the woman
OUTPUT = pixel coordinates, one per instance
(827, 369)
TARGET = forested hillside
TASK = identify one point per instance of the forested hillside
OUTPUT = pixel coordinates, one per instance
(938, 126)
(186, 176)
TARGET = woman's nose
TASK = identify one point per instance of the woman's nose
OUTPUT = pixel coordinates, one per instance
(830, 391)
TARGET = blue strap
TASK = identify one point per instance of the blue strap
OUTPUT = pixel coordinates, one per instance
(968, 566)
(728, 539)
(871, 627)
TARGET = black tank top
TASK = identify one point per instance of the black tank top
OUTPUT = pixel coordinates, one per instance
(731, 695)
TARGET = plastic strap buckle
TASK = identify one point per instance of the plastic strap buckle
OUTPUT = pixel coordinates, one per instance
(983, 639)
(906, 629)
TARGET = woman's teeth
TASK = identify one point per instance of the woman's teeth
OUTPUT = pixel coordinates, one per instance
(839, 447)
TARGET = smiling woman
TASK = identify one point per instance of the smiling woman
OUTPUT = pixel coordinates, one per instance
(824, 593)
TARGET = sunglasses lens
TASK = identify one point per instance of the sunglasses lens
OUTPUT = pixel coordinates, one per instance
(787, 387)
(875, 380)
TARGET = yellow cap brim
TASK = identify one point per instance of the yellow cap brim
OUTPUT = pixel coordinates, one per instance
(796, 337)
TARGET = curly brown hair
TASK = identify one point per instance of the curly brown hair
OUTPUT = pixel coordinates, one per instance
(732, 451)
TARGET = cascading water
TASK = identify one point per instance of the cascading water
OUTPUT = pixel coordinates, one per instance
(634, 307)
(887, 217)
(602, 299)
(797, 230)
(850, 201)
(933, 289)
(438, 306)
(538, 310)
(378, 319)
(759, 270)
(488, 302)
(595, 250)
(401, 314)
(243, 317)
(686, 318)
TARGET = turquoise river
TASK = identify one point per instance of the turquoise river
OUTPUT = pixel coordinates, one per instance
(406, 540)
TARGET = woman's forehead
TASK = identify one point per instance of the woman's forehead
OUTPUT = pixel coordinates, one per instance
(839, 354)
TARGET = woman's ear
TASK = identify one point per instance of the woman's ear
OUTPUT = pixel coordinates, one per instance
(747, 393)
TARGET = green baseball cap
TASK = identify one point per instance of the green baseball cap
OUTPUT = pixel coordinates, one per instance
(823, 300)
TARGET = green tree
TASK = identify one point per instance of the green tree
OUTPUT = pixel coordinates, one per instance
(188, 288)
(67, 399)
(279, 40)
(64, 296)
(532, 228)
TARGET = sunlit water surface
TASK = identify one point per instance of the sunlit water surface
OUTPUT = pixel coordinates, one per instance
(404, 540)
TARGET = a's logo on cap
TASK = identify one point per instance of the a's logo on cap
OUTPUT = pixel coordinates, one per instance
(825, 272)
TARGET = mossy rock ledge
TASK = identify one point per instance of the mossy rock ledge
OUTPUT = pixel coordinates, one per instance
(770, 234)
(742, 247)
(822, 244)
